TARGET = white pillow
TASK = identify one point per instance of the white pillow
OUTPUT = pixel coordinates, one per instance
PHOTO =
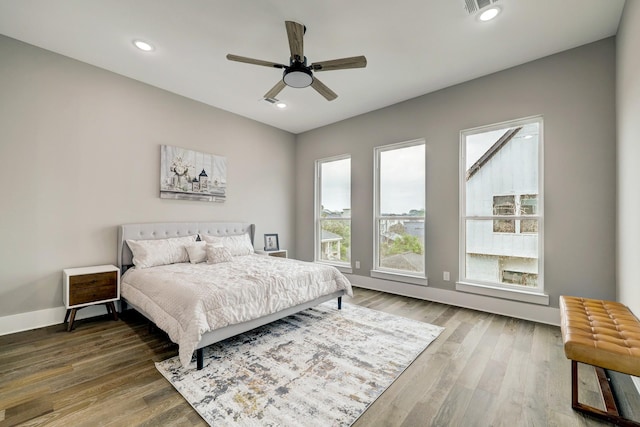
(217, 254)
(238, 245)
(150, 253)
(197, 252)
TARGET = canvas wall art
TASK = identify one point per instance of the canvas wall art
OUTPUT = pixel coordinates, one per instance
(192, 175)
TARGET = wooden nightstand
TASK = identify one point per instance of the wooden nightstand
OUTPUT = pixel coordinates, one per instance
(88, 286)
(281, 253)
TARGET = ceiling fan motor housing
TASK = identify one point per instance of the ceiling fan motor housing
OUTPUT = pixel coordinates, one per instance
(298, 74)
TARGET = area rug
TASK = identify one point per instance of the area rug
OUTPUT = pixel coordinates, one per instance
(320, 367)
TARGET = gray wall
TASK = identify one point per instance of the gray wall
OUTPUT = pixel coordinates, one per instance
(628, 111)
(573, 90)
(80, 152)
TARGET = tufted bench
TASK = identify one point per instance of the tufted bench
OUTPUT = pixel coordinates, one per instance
(606, 335)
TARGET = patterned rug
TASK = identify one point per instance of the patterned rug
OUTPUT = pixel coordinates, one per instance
(321, 367)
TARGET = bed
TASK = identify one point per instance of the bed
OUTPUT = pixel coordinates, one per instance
(199, 304)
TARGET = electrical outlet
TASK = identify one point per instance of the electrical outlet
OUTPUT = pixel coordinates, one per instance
(446, 276)
(357, 264)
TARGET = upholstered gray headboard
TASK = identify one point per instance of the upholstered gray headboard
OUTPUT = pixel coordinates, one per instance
(163, 230)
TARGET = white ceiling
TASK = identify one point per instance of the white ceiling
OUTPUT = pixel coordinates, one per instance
(413, 47)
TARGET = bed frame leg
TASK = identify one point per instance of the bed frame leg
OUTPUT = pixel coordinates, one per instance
(339, 303)
(199, 359)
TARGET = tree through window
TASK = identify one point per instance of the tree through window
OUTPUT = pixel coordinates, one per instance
(333, 211)
(400, 208)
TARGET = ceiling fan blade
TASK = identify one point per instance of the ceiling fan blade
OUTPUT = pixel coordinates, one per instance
(295, 34)
(244, 59)
(340, 64)
(323, 90)
(275, 90)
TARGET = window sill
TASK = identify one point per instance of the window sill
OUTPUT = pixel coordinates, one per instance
(342, 268)
(510, 294)
(399, 277)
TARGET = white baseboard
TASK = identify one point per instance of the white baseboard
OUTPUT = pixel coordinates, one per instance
(542, 314)
(519, 310)
(41, 318)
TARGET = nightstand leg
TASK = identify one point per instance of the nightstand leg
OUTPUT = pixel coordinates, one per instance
(71, 319)
(66, 316)
(111, 308)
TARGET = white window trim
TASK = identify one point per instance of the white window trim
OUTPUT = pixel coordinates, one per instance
(531, 295)
(419, 278)
(399, 277)
(504, 293)
(344, 267)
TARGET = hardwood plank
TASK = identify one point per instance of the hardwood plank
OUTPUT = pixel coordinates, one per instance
(28, 410)
(479, 409)
(483, 370)
(492, 377)
(453, 408)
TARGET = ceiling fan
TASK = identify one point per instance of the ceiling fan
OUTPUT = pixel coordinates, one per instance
(298, 74)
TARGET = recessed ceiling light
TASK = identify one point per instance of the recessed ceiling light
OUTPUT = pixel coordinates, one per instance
(281, 105)
(489, 14)
(143, 45)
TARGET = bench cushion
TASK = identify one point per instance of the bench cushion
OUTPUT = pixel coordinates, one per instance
(601, 333)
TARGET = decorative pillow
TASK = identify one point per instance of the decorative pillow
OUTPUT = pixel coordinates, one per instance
(238, 245)
(217, 254)
(150, 253)
(197, 252)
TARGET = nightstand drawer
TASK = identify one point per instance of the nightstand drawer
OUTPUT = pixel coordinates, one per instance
(86, 288)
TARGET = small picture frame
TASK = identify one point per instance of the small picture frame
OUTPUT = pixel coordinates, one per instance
(271, 242)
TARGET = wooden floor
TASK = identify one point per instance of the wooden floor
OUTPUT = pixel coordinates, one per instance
(483, 370)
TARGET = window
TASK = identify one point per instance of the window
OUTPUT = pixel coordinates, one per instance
(501, 208)
(504, 205)
(529, 206)
(519, 278)
(400, 209)
(526, 204)
(333, 211)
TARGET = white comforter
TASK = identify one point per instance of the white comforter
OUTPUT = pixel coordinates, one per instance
(187, 300)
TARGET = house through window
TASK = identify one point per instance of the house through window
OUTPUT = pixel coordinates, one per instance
(501, 199)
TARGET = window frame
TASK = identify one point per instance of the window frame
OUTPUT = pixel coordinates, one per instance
(507, 291)
(344, 267)
(418, 278)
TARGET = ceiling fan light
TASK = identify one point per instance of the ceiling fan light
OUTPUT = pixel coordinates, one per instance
(298, 78)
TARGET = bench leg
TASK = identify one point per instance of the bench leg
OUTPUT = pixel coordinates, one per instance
(611, 414)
